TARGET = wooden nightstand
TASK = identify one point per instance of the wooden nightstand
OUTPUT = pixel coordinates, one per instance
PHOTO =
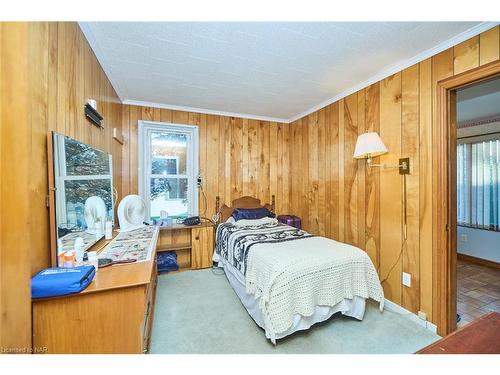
(194, 245)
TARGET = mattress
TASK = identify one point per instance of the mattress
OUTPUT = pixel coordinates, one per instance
(354, 307)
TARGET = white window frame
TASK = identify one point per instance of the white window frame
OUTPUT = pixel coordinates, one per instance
(145, 129)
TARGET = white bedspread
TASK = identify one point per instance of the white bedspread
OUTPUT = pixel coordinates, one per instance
(295, 276)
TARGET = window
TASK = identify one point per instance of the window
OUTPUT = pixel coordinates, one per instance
(168, 167)
(478, 190)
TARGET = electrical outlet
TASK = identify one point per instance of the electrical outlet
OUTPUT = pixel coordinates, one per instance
(199, 181)
(406, 279)
(464, 238)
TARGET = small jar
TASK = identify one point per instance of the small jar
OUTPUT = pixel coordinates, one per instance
(69, 259)
(60, 259)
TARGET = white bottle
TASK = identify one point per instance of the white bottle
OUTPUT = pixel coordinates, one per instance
(78, 247)
(109, 229)
(93, 259)
(85, 259)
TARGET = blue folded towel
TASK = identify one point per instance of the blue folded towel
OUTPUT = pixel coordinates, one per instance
(60, 281)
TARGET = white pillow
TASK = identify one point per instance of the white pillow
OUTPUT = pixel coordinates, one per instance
(247, 222)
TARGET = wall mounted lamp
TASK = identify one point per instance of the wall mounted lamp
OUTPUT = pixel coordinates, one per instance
(90, 110)
(369, 145)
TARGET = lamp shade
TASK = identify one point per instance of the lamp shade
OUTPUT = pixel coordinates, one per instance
(369, 145)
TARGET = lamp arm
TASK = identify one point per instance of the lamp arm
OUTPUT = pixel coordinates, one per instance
(404, 164)
(388, 166)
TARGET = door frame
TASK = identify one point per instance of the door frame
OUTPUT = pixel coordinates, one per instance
(445, 197)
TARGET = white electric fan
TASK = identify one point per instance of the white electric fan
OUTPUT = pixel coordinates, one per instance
(131, 213)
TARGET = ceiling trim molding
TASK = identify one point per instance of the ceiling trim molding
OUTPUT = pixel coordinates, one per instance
(204, 111)
(473, 31)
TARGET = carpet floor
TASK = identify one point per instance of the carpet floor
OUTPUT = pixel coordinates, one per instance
(198, 312)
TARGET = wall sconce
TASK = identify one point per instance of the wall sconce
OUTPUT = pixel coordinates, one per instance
(90, 110)
(370, 145)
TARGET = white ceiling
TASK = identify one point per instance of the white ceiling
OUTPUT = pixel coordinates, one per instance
(479, 101)
(273, 70)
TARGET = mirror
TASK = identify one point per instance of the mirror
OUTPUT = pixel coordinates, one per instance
(83, 182)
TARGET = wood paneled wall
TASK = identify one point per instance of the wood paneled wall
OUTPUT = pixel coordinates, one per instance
(237, 156)
(15, 294)
(339, 197)
(48, 71)
(64, 74)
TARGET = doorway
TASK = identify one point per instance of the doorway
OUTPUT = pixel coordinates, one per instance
(478, 200)
(445, 193)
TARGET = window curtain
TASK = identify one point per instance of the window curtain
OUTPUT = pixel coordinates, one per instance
(478, 193)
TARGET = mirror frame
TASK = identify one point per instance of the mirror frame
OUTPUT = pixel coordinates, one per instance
(51, 197)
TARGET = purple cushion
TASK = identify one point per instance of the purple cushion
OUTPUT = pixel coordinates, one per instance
(251, 213)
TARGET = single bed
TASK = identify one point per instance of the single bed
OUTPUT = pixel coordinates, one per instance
(288, 279)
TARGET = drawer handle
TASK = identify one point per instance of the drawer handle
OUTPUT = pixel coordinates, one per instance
(197, 238)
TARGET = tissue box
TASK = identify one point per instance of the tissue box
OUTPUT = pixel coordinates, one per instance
(292, 220)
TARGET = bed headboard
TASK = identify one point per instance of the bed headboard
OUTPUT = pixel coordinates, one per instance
(243, 202)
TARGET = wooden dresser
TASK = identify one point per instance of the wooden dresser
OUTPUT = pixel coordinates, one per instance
(113, 314)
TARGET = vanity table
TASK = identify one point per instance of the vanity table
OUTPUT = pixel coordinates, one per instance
(113, 314)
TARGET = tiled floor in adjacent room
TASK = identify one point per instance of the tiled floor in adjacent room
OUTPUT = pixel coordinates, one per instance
(478, 291)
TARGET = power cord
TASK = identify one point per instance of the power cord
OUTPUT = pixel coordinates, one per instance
(405, 231)
(199, 182)
(204, 201)
(207, 219)
(397, 261)
(392, 268)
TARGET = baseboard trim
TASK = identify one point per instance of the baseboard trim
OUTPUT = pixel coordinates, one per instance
(480, 261)
(395, 308)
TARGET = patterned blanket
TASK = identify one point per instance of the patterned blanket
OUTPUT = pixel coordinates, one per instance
(234, 243)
